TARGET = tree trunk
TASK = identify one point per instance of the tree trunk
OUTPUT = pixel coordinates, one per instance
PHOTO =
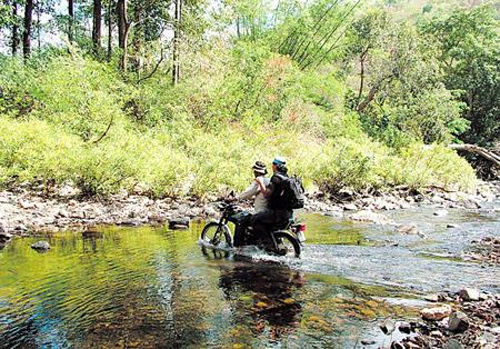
(28, 21)
(362, 74)
(121, 11)
(15, 28)
(123, 30)
(71, 15)
(96, 26)
(373, 91)
(38, 24)
(137, 40)
(110, 29)
(177, 32)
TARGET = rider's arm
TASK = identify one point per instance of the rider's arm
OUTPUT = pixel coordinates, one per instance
(249, 192)
(265, 190)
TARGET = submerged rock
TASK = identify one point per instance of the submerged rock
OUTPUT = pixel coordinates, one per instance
(41, 246)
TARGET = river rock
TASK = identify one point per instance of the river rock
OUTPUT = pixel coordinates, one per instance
(26, 204)
(5, 237)
(453, 344)
(370, 216)
(469, 294)
(397, 345)
(432, 298)
(41, 246)
(78, 214)
(441, 213)
(404, 327)
(179, 223)
(459, 322)
(21, 228)
(350, 207)
(436, 314)
(387, 326)
(367, 342)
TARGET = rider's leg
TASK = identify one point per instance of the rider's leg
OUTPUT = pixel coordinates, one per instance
(261, 221)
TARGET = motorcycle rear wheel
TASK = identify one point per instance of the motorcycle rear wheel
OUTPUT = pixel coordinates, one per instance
(288, 245)
(215, 234)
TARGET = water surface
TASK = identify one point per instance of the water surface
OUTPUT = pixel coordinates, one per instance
(151, 287)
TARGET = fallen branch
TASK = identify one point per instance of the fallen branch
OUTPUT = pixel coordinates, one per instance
(471, 148)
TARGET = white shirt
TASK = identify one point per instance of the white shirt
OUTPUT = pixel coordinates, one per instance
(260, 202)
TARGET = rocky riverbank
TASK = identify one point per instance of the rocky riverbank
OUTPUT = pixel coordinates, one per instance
(465, 319)
(24, 211)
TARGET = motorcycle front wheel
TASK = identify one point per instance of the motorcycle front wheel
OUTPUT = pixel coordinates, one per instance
(214, 234)
(288, 246)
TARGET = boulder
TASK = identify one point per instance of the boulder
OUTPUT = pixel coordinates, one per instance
(404, 327)
(5, 237)
(41, 246)
(459, 322)
(469, 294)
(436, 313)
(387, 326)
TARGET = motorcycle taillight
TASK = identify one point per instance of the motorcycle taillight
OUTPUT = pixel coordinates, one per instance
(302, 227)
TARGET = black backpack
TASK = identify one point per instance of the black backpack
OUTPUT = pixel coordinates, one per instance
(292, 192)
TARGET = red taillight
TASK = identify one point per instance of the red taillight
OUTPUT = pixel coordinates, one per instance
(302, 227)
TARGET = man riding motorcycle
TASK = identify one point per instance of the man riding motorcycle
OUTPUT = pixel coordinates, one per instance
(277, 214)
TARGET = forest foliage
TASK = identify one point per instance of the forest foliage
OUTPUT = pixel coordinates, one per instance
(355, 95)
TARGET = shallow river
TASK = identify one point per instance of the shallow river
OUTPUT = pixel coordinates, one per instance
(151, 287)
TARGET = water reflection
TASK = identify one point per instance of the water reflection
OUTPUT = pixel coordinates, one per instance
(264, 296)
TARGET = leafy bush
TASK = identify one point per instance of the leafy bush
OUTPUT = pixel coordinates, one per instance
(88, 126)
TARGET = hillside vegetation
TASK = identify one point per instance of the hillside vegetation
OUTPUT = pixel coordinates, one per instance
(376, 110)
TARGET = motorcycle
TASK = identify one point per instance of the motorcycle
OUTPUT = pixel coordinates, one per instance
(282, 242)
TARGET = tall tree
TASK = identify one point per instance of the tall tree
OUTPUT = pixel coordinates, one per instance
(15, 28)
(123, 31)
(110, 28)
(28, 21)
(177, 34)
(71, 15)
(96, 25)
